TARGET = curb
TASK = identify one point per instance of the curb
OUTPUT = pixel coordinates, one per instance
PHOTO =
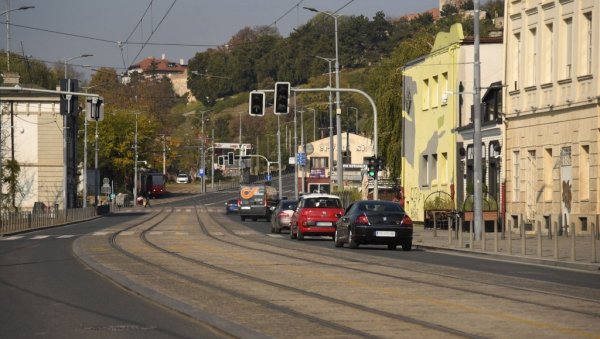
(587, 267)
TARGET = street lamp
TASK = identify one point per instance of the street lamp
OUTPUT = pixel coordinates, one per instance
(314, 122)
(338, 110)
(73, 58)
(22, 8)
(356, 128)
(330, 60)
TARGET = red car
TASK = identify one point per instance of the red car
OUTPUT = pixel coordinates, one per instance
(316, 214)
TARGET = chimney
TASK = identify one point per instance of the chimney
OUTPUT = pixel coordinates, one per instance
(11, 78)
(181, 62)
(163, 56)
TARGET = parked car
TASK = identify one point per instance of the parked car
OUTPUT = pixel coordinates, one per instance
(231, 206)
(316, 215)
(377, 222)
(183, 178)
(282, 215)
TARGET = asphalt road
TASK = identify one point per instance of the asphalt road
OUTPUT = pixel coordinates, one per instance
(46, 292)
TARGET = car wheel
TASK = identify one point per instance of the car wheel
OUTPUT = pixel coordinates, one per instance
(391, 247)
(336, 240)
(278, 230)
(272, 229)
(253, 219)
(243, 218)
(407, 245)
(351, 243)
(299, 235)
(292, 235)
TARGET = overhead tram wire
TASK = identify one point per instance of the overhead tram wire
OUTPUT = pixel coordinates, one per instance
(131, 34)
(286, 13)
(153, 31)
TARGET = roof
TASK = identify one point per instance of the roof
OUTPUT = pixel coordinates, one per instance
(318, 195)
(162, 65)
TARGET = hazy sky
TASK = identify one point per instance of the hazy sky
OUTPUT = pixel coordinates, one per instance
(189, 22)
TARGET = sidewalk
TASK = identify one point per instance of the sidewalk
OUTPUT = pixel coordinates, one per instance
(520, 252)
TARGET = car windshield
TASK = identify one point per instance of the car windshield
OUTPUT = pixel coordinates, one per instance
(288, 205)
(182, 176)
(322, 203)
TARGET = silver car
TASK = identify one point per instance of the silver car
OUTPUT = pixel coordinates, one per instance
(282, 215)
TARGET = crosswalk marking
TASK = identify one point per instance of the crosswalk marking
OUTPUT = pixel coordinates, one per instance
(14, 237)
(38, 237)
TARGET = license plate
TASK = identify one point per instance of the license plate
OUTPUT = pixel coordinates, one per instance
(385, 234)
(323, 223)
(245, 207)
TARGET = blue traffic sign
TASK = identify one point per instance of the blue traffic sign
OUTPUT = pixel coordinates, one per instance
(269, 177)
(301, 159)
(201, 172)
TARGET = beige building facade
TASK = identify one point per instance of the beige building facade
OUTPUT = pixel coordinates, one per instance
(551, 111)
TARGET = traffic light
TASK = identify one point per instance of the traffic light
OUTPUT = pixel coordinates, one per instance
(380, 164)
(282, 98)
(94, 108)
(230, 158)
(221, 160)
(69, 103)
(256, 104)
(371, 167)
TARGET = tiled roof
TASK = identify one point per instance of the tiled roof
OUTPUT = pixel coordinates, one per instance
(162, 65)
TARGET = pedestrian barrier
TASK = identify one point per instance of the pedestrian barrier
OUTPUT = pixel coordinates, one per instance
(11, 221)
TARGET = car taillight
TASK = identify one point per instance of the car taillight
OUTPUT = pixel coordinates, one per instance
(407, 221)
(362, 220)
(282, 215)
(239, 202)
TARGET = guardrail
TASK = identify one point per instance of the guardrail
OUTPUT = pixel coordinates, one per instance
(11, 222)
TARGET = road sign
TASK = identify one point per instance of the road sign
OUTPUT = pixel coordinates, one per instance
(269, 177)
(301, 159)
(201, 172)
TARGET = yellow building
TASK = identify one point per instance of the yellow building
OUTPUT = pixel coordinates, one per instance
(436, 120)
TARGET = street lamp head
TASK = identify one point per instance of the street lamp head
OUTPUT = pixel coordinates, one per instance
(311, 9)
(86, 55)
(22, 8)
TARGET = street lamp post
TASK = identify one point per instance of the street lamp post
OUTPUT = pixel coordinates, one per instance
(65, 137)
(135, 168)
(338, 110)
(330, 60)
(22, 8)
(356, 126)
(314, 123)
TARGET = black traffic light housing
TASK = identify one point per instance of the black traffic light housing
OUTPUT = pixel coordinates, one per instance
(230, 158)
(282, 98)
(380, 164)
(372, 167)
(256, 104)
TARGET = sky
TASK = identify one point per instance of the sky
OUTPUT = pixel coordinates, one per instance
(97, 26)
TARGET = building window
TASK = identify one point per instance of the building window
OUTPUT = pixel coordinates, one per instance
(424, 173)
(444, 85)
(435, 92)
(426, 94)
(531, 178)
(587, 41)
(567, 39)
(584, 172)
(319, 162)
(434, 169)
(547, 53)
(444, 168)
(548, 170)
(531, 71)
(515, 176)
(516, 60)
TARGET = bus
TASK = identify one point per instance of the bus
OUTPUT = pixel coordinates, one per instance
(255, 202)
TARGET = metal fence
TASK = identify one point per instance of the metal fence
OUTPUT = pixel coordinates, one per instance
(553, 245)
(11, 222)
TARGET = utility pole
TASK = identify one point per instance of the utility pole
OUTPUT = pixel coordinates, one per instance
(478, 194)
(279, 157)
(212, 162)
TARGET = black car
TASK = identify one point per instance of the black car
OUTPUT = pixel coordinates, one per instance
(376, 222)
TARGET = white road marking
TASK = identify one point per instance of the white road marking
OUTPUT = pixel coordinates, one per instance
(244, 232)
(100, 233)
(156, 233)
(14, 237)
(127, 233)
(39, 237)
(66, 236)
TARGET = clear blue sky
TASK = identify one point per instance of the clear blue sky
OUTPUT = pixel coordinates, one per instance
(197, 22)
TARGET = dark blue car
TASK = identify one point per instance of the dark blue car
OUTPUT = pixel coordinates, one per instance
(231, 206)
